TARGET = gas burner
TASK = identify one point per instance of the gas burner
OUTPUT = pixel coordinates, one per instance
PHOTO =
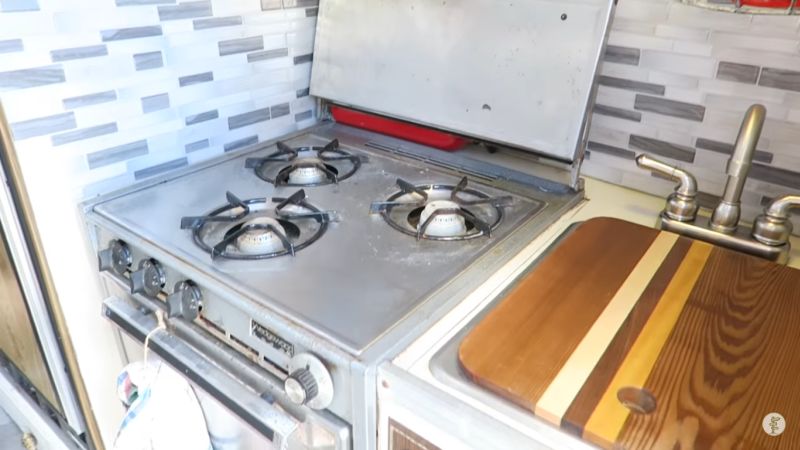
(305, 166)
(442, 212)
(252, 230)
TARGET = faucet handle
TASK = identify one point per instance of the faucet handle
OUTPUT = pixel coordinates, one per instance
(773, 227)
(681, 204)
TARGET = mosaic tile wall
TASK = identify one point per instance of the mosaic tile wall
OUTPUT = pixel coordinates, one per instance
(120, 90)
(676, 82)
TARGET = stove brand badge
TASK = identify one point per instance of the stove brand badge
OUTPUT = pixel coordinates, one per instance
(774, 424)
(266, 335)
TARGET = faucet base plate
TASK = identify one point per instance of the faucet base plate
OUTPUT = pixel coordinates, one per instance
(739, 241)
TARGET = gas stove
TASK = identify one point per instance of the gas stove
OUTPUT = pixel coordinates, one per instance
(332, 255)
(290, 270)
(337, 268)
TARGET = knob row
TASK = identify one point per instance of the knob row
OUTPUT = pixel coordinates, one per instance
(149, 279)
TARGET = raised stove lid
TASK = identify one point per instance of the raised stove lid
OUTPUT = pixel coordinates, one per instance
(519, 73)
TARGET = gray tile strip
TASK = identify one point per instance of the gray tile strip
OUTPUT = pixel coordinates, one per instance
(299, 3)
(280, 110)
(202, 117)
(622, 55)
(186, 10)
(303, 92)
(267, 5)
(611, 150)
(11, 45)
(149, 60)
(779, 78)
(743, 73)
(195, 79)
(240, 143)
(706, 200)
(195, 146)
(117, 154)
(268, 54)
(43, 125)
(241, 45)
(775, 175)
(36, 76)
(83, 133)
(216, 22)
(661, 176)
(617, 112)
(301, 116)
(155, 102)
(311, 12)
(688, 111)
(631, 85)
(727, 149)
(89, 99)
(303, 58)
(161, 168)
(662, 148)
(248, 118)
(120, 34)
(66, 54)
(143, 2)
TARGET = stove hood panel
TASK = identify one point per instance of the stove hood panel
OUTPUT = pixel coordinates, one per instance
(519, 73)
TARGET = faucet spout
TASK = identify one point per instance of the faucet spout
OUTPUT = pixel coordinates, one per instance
(725, 217)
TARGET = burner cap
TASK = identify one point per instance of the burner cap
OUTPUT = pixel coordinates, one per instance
(444, 224)
(261, 241)
(452, 212)
(307, 171)
(306, 166)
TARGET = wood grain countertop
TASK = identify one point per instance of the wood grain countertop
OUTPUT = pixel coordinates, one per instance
(631, 337)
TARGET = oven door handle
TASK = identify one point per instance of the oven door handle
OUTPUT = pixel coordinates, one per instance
(258, 409)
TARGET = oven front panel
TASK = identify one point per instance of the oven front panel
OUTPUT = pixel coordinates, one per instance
(257, 334)
(251, 393)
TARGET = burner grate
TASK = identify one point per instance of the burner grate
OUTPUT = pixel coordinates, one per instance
(306, 166)
(405, 210)
(293, 221)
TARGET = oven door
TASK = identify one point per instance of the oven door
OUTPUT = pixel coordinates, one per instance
(250, 392)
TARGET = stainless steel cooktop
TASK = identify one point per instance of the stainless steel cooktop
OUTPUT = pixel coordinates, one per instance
(362, 275)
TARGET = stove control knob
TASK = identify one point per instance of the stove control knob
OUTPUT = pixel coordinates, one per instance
(309, 382)
(301, 386)
(185, 301)
(149, 279)
(116, 258)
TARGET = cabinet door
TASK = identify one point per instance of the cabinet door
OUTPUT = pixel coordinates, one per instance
(19, 341)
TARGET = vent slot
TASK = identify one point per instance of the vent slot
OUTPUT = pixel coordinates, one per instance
(213, 327)
(250, 350)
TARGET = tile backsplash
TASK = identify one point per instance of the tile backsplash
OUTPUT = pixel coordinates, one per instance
(676, 82)
(120, 90)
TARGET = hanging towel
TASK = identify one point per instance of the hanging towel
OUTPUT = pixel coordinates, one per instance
(163, 411)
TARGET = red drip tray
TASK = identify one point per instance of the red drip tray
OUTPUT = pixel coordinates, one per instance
(399, 129)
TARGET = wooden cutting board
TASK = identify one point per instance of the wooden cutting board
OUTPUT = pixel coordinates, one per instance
(700, 342)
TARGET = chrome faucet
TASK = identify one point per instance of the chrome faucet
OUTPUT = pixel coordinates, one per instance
(725, 218)
(769, 237)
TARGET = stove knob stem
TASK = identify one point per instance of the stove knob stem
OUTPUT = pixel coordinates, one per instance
(116, 258)
(138, 283)
(106, 260)
(185, 301)
(149, 279)
(301, 386)
(309, 382)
